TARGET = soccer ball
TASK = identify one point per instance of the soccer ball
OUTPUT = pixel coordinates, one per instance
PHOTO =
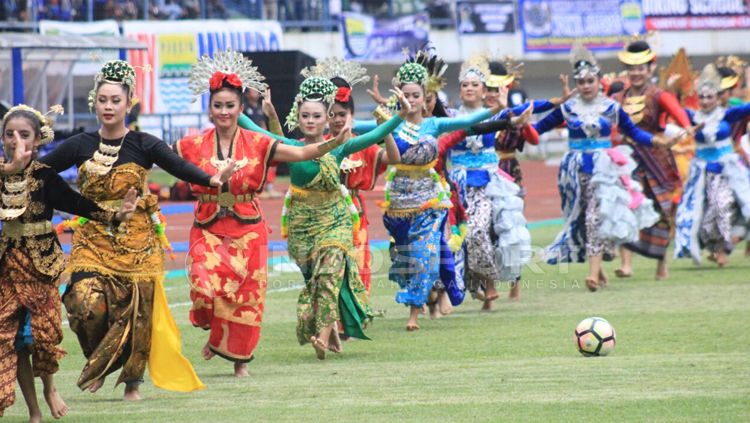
(595, 337)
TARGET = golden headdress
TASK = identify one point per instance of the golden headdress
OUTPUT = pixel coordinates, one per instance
(208, 74)
(637, 51)
(730, 68)
(504, 72)
(45, 120)
(477, 65)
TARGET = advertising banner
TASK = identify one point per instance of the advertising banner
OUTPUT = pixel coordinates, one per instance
(485, 17)
(370, 39)
(554, 25)
(681, 15)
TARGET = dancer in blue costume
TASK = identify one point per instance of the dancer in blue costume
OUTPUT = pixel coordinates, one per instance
(497, 244)
(417, 198)
(601, 205)
(715, 204)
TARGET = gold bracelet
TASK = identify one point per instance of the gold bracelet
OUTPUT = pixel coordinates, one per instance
(327, 146)
(380, 114)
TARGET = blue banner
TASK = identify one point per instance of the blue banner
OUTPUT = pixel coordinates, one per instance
(369, 39)
(554, 25)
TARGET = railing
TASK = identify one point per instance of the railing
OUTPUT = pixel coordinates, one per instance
(308, 15)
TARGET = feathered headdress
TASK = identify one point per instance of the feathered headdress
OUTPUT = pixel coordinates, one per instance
(208, 74)
(583, 62)
(709, 81)
(115, 72)
(435, 67)
(45, 120)
(314, 88)
(332, 67)
(478, 65)
(504, 72)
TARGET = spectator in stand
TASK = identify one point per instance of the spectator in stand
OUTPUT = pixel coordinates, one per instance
(270, 10)
(215, 9)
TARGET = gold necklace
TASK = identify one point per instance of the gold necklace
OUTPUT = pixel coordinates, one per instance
(104, 157)
(221, 164)
(14, 198)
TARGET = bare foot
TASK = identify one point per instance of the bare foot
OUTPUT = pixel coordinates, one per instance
(515, 291)
(592, 284)
(96, 385)
(35, 418)
(488, 305)
(319, 346)
(57, 406)
(240, 370)
(444, 305)
(334, 342)
(412, 327)
(490, 292)
(132, 393)
(624, 272)
(721, 259)
(662, 271)
(207, 353)
(603, 279)
(434, 312)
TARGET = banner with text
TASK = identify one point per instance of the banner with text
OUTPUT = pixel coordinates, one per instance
(175, 45)
(554, 25)
(679, 15)
(370, 39)
(485, 17)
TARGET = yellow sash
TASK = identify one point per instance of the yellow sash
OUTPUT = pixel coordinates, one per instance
(168, 368)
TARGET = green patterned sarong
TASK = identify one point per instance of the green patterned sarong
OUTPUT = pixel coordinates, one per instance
(321, 243)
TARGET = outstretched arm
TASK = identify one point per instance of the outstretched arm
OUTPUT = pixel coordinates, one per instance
(365, 140)
(550, 122)
(455, 123)
(247, 123)
(733, 114)
(627, 127)
(362, 126)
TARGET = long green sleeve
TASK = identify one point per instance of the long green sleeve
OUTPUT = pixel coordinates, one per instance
(460, 122)
(365, 140)
(247, 123)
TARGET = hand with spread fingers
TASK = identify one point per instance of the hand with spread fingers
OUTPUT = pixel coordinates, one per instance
(129, 204)
(375, 91)
(224, 174)
(405, 105)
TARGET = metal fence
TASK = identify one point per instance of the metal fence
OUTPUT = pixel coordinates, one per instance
(305, 15)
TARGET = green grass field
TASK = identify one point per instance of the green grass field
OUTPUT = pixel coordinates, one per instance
(683, 354)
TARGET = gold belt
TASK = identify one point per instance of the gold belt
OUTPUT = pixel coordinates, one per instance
(15, 229)
(315, 196)
(415, 170)
(505, 155)
(226, 199)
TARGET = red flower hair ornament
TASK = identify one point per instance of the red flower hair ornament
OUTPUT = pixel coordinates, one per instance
(217, 79)
(343, 94)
